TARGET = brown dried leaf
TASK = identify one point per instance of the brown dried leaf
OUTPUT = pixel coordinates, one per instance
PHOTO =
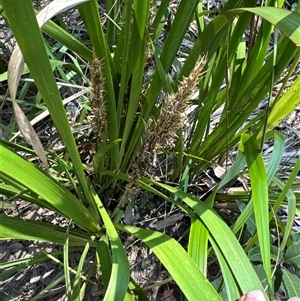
(15, 69)
(46, 113)
(54, 8)
(219, 171)
(169, 221)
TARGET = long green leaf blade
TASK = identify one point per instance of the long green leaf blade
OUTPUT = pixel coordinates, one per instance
(28, 35)
(17, 170)
(18, 228)
(286, 21)
(177, 262)
(259, 188)
(119, 277)
(227, 242)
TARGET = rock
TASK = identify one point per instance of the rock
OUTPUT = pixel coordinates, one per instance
(15, 247)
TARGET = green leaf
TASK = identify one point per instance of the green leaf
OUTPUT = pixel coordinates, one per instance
(279, 140)
(226, 241)
(291, 284)
(141, 10)
(286, 104)
(104, 260)
(77, 280)
(138, 291)
(15, 170)
(17, 228)
(163, 74)
(292, 255)
(66, 264)
(91, 17)
(271, 171)
(119, 276)
(54, 64)
(259, 185)
(286, 21)
(292, 205)
(101, 152)
(177, 262)
(260, 271)
(27, 33)
(197, 246)
(11, 267)
(62, 36)
(296, 237)
(255, 254)
(230, 284)
(183, 16)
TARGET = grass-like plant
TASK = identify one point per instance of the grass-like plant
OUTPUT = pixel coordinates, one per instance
(139, 106)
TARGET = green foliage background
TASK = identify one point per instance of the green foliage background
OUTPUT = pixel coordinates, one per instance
(133, 125)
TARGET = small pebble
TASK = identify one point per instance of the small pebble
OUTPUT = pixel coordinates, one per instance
(15, 247)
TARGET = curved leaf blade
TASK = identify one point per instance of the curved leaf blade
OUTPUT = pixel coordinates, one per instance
(286, 21)
(17, 170)
(119, 277)
(18, 228)
(26, 30)
(259, 188)
(177, 262)
(227, 242)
